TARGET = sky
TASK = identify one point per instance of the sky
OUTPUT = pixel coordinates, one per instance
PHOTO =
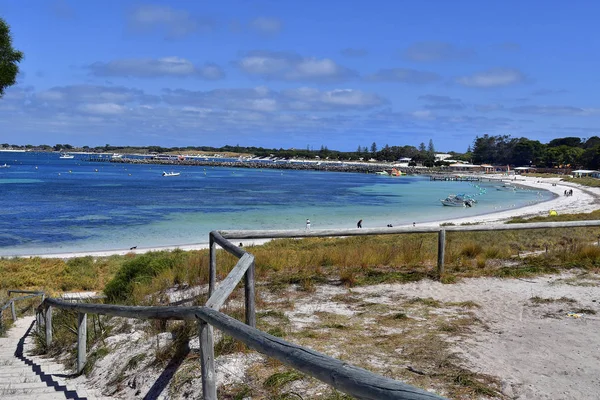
(301, 74)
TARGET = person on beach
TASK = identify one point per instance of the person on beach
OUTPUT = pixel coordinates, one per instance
(308, 224)
(359, 223)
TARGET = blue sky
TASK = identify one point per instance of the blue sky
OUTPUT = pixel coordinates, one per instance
(301, 73)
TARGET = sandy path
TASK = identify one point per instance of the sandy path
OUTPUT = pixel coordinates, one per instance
(537, 350)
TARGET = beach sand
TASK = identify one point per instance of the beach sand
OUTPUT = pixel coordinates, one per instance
(584, 199)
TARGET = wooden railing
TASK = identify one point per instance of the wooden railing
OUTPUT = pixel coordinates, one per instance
(352, 380)
(11, 303)
(440, 230)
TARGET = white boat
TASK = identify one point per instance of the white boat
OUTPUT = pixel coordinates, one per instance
(5, 166)
(66, 156)
(382, 173)
(116, 155)
(170, 173)
(455, 200)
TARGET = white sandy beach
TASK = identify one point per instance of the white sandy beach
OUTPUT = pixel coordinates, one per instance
(584, 199)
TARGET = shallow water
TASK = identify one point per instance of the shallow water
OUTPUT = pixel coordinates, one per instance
(49, 205)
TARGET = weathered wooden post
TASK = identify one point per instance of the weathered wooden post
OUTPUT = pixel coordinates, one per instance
(207, 361)
(441, 251)
(81, 341)
(1, 327)
(12, 311)
(250, 296)
(48, 326)
(212, 270)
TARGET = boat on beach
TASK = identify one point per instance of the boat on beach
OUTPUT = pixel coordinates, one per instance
(171, 173)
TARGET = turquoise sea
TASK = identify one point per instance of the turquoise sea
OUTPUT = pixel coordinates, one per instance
(53, 205)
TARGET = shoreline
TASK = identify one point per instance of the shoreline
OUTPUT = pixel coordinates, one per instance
(584, 199)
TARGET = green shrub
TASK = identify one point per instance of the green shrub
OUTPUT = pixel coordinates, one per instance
(140, 270)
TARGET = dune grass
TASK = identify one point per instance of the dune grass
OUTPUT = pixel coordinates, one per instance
(353, 261)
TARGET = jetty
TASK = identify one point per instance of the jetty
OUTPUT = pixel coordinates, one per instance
(458, 178)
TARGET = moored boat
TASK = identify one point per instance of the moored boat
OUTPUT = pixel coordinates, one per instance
(170, 173)
(457, 200)
(66, 156)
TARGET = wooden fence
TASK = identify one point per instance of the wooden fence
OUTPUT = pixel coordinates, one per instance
(11, 303)
(352, 380)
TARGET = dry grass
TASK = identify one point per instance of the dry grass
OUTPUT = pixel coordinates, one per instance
(405, 339)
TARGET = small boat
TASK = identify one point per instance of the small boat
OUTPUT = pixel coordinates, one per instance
(5, 166)
(381, 173)
(455, 200)
(65, 156)
(116, 156)
(170, 173)
(507, 187)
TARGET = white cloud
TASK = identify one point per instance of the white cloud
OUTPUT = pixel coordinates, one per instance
(102, 108)
(492, 78)
(266, 25)
(266, 100)
(150, 68)
(173, 23)
(292, 67)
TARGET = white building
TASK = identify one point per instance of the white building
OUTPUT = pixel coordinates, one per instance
(442, 156)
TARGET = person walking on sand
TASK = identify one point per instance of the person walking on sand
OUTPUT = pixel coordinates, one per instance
(359, 223)
(307, 224)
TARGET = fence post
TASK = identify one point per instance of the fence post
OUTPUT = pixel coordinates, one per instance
(212, 271)
(1, 327)
(48, 326)
(441, 251)
(12, 311)
(38, 321)
(207, 361)
(81, 340)
(250, 296)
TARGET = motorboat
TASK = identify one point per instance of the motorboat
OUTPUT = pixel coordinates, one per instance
(5, 166)
(382, 173)
(507, 187)
(66, 156)
(170, 173)
(457, 200)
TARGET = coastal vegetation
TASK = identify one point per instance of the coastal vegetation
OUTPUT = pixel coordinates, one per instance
(9, 58)
(559, 154)
(294, 272)
(353, 261)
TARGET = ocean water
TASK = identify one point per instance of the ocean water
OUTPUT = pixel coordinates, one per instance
(51, 205)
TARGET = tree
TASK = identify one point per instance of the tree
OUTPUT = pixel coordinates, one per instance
(567, 141)
(431, 148)
(9, 58)
(374, 148)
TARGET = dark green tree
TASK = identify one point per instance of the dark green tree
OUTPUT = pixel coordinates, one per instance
(374, 148)
(430, 147)
(568, 141)
(9, 58)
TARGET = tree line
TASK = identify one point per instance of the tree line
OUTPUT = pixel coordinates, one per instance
(567, 152)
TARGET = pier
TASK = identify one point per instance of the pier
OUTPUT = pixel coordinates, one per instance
(458, 178)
